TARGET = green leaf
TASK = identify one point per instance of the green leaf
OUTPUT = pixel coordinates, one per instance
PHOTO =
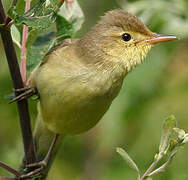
(128, 160)
(64, 28)
(40, 16)
(16, 37)
(167, 130)
(35, 97)
(39, 49)
(32, 36)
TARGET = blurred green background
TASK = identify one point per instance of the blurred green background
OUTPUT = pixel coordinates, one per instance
(150, 93)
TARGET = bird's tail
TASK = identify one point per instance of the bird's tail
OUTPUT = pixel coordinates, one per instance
(43, 139)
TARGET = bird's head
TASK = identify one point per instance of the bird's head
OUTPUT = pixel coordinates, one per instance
(122, 38)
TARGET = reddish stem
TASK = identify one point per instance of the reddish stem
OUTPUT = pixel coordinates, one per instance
(23, 49)
(29, 80)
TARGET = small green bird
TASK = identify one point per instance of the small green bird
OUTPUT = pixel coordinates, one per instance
(78, 80)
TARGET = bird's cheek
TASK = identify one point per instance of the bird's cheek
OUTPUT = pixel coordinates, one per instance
(112, 49)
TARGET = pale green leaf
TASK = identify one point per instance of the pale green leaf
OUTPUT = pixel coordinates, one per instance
(16, 37)
(180, 133)
(128, 159)
(72, 13)
(167, 130)
(185, 139)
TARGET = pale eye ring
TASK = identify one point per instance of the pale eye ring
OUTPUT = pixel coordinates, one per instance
(126, 37)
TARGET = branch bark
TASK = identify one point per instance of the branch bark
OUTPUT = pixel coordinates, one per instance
(11, 170)
(23, 111)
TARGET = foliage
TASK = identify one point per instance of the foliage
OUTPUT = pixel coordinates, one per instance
(43, 15)
(40, 16)
(168, 147)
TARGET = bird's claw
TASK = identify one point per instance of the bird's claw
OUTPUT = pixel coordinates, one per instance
(24, 93)
(37, 164)
(38, 168)
(21, 90)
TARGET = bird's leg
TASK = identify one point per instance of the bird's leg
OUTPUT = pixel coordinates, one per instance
(44, 162)
(25, 93)
(39, 166)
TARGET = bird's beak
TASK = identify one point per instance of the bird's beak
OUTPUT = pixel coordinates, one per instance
(157, 38)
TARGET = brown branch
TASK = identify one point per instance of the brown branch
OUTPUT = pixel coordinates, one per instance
(2, 14)
(8, 168)
(7, 178)
(17, 83)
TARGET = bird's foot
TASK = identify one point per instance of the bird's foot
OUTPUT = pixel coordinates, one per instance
(37, 169)
(24, 93)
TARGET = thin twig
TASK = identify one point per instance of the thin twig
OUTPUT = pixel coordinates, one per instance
(7, 178)
(152, 166)
(163, 167)
(2, 14)
(17, 83)
(8, 168)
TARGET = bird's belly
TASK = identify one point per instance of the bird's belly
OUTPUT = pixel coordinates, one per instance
(72, 102)
(74, 110)
(76, 115)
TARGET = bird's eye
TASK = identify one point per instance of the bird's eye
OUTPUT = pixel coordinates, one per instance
(126, 37)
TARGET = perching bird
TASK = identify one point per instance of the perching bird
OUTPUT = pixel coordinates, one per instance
(78, 80)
